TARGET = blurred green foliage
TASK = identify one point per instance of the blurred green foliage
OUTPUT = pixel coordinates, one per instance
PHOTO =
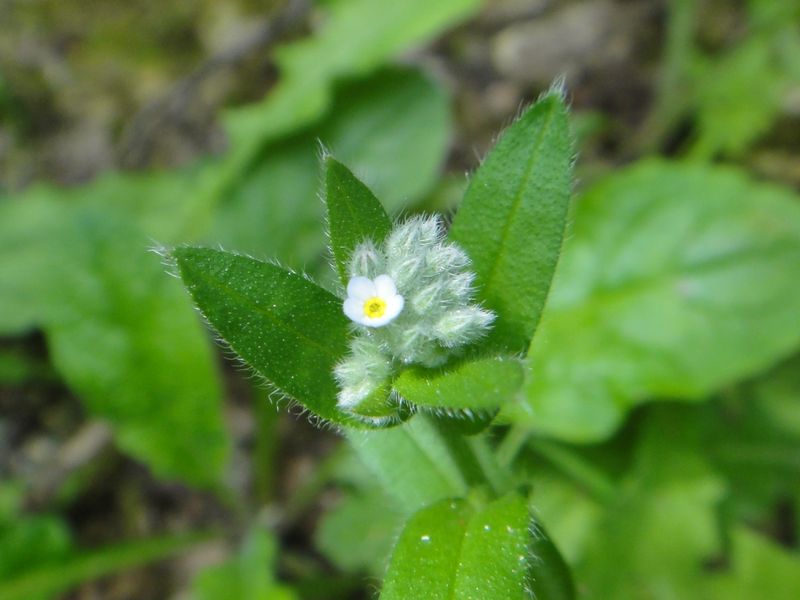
(677, 282)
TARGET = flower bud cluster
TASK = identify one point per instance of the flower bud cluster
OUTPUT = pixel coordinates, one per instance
(438, 315)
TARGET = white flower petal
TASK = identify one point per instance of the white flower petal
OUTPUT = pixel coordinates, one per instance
(354, 309)
(378, 322)
(361, 288)
(385, 287)
(394, 304)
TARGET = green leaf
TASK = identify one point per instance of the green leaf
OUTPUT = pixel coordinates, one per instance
(123, 336)
(739, 96)
(357, 534)
(354, 214)
(413, 462)
(247, 576)
(482, 385)
(650, 538)
(291, 331)
(31, 542)
(551, 578)
(511, 221)
(453, 551)
(357, 37)
(673, 284)
(392, 128)
(27, 261)
(45, 581)
(126, 340)
(759, 569)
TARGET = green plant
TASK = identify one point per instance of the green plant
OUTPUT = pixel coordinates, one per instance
(418, 349)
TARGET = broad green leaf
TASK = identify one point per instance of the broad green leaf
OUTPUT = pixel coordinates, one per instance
(291, 331)
(413, 462)
(653, 536)
(27, 261)
(122, 336)
(58, 577)
(354, 214)
(392, 129)
(483, 384)
(673, 284)
(357, 37)
(759, 569)
(126, 340)
(247, 576)
(511, 221)
(452, 551)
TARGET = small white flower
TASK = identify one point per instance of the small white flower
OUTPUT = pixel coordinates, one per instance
(372, 302)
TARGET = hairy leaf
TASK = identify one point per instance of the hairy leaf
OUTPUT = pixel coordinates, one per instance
(354, 214)
(511, 221)
(291, 331)
(483, 384)
(453, 551)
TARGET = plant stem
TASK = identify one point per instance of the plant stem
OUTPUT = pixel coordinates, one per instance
(512, 443)
(575, 467)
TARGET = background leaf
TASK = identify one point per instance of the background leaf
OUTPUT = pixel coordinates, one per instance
(247, 576)
(122, 336)
(345, 46)
(47, 580)
(412, 462)
(673, 284)
(511, 221)
(391, 129)
(125, 339)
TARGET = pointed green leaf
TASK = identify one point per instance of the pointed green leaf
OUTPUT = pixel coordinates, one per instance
(291, 331)
(511, 221)
(483, 384)
(354, 213)
(452, 551)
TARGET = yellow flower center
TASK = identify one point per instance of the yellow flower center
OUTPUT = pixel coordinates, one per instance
(374, 308)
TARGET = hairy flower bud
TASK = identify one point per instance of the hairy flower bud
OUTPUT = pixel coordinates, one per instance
(412, 302)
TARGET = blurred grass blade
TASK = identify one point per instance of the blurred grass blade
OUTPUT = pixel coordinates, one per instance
(354, 214)
(61, 576)
(511, 221)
